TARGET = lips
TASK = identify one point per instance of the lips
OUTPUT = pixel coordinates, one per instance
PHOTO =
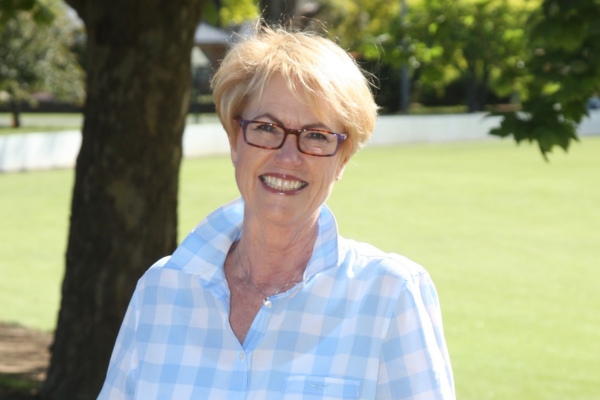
(283, 183)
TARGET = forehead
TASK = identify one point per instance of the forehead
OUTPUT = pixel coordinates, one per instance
(292, 108)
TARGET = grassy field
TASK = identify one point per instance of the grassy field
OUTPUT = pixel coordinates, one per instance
(41, 122)
(52, 122)
(511, 241)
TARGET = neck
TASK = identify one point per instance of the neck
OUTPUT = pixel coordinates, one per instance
(274, 254)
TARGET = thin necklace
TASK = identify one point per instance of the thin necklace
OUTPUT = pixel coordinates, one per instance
(266, 297)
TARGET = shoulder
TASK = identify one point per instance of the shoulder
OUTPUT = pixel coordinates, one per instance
(388, 281)
(364, 257)
(391, 276)
(161, 263)
(159, 275)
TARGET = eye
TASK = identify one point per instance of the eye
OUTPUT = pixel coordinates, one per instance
(317, 136)
(266, 128)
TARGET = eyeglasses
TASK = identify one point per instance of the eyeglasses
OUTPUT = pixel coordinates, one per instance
(315, 142)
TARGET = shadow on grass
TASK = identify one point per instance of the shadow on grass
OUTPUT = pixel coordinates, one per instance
(24, 357)
(18, 387)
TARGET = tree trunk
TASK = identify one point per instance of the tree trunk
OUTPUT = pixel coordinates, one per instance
(476, 89)
(277, 11)
(124, 206)
(14, 110)
(472, 102)
(483, 89)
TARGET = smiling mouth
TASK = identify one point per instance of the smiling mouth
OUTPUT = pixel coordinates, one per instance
(283, 185)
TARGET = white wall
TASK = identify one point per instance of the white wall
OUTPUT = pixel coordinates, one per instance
(205, 140)
(394, 129)
(23, 152)
(590, 126)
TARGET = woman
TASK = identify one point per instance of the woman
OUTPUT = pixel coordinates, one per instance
(263, 299)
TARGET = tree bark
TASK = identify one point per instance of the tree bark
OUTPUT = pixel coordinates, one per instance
(476, 89)
(14, 110)
(472, 103)
(124, 206)
(277, 11)
(483, 89)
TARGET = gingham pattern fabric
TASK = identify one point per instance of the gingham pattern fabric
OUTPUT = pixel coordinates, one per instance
(362, 324)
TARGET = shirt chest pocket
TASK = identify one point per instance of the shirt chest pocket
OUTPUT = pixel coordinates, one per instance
(311, 387)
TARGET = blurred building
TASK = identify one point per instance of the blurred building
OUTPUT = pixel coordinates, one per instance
(212, 41)
(210, 46)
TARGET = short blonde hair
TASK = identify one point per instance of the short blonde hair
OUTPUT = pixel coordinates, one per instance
(324, 73)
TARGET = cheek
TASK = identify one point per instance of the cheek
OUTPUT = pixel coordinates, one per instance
(235, 149)
(337, 168)
(245, 182)
(328, 174)
(242, 153)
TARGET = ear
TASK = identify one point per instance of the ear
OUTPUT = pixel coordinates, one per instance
(232, 149)
(233, 141)
(340, 170)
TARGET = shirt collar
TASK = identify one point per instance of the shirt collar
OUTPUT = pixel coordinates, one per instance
(204, 250)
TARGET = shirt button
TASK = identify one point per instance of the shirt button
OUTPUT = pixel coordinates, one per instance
(242, 356)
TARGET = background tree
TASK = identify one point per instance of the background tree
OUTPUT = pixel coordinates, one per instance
(124, 207)
(276, 11)
(229, 13)
(544, 59)
(461, 51)
(361, 27)
(357, 25)
(565, 71)
(36, 57)
(478, 43)
(40, 10)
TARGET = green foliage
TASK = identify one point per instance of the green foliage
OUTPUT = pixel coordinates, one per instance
(545, 57)
(211, 13)
(359, 25)
(235, 12)
(479, 42)
(565, 71)
(229, 12)
(37, 58)
(368, 29)
(40, 10)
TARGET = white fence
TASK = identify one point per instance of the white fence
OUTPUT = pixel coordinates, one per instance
(23, 152)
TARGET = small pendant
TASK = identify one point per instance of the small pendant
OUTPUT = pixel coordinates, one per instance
(267, 302)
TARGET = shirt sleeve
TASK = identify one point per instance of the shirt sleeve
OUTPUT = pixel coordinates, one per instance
(414, 361)
(120, 378)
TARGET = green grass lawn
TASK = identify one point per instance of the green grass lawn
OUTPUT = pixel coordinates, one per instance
(41, 122)
(52, 122)
(4, 130)
(511, 241)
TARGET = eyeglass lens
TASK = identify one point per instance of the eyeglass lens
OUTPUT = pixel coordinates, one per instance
(271, 136)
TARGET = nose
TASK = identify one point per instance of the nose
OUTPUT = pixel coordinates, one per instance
(288, 154)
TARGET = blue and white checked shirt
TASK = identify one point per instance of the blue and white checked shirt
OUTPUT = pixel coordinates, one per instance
(362, 324)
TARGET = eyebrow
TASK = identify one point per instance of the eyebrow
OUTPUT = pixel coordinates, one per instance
(317, 125)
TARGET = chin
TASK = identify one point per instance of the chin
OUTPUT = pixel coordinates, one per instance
(283, 214)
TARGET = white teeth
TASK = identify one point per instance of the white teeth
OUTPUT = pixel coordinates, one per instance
(281, 184)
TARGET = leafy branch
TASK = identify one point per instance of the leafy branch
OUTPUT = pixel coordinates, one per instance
(565, 73)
